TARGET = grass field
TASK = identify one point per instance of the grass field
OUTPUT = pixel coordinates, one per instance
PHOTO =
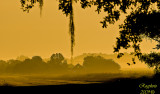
(49, 79)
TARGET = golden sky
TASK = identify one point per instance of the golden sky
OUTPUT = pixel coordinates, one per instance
(29, 34)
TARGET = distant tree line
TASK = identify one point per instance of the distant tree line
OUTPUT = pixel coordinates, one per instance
(57, 65)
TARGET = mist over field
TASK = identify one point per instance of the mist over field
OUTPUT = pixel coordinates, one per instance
(56, 70)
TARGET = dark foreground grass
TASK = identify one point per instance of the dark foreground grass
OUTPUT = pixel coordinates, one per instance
(116, 86)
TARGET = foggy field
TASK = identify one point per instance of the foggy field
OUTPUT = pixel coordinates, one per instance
(42, 79)
(57, 71)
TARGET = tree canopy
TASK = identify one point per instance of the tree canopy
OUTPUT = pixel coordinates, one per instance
(137, 26)
(100, 64)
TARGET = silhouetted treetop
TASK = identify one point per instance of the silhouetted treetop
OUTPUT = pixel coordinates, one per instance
(153, 60)
(142, 21)
(26, 5)
(135, 27)
(57, 57)
(37, 59)
(66, 6)
(100, 64)
(114, 8)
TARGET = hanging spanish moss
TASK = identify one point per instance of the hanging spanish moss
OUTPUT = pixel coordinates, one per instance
(26, 5)
(40, 6)
(71, 29)
(67, 8)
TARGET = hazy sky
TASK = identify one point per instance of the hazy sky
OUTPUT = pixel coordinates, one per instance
(29, 34)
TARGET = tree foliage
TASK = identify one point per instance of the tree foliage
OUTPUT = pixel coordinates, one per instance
(100, 64)
(26, 5)
(114, 8)
(142, 21)
(136, 26)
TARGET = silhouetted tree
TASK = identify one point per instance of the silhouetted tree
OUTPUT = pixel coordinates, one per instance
(99, 64)
(57, 63)
(136, 26)
(37, 64)
(24, 67)
(78, 69)
(153, 60)
(37, 59)
(114, 8)
(142, 21)
(26, 5)
(57, 58)
(3, 65)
